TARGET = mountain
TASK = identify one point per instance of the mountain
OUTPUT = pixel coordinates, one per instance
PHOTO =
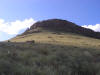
(61, 26)
(52, 47)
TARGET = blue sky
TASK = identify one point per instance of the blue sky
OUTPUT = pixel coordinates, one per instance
(14, 13)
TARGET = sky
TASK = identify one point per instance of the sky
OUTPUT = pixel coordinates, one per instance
(18, 15)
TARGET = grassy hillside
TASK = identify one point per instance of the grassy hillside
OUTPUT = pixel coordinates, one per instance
(52, 47)
(52, 53)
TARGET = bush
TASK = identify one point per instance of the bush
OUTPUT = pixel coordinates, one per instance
(33, 41)
(8, 40)
(6, 68)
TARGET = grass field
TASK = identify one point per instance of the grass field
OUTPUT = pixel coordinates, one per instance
(51, 53)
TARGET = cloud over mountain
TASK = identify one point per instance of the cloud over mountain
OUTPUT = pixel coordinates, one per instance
(16, 26)
(93, 27)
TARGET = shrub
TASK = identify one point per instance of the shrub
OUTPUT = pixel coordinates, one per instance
(33, 41)
(8, 40)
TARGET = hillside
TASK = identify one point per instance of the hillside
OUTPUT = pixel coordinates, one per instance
(52, 47)
(59, 25)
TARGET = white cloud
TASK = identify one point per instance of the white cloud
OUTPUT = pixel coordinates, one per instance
(16, 26)
(93, 27)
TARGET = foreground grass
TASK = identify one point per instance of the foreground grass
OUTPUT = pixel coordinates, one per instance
(51, 54)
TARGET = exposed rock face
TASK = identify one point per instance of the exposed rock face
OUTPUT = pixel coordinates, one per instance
(62, 26)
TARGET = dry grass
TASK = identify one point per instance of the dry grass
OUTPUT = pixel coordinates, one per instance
(60, 39)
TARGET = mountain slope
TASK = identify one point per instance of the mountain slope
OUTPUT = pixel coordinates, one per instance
(61, 26)
(51, 50)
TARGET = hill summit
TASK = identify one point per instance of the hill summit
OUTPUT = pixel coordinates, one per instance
(59, 25)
